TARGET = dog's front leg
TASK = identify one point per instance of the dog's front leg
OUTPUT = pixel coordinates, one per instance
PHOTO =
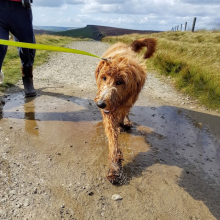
(115, 154)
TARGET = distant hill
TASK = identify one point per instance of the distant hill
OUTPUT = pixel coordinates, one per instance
(50, 29)
(42, 32)
(53, 28)
(86, 32)
(98, 32)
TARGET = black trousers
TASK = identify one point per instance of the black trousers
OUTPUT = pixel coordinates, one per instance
(16, 19)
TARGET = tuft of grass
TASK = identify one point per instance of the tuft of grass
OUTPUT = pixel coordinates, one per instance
(12, 64)
(191, 59)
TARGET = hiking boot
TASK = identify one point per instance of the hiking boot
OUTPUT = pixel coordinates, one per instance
(27, 78)
(1, 77)
(2, 103)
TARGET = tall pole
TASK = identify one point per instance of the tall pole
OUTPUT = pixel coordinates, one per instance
(194, 23)
(185, 26)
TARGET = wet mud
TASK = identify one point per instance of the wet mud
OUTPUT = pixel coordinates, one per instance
(54, 159)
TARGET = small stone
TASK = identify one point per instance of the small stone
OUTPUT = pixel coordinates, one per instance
(200, 124)
(35, 191)
(26, 203)
(15, 212)
(62, 206)
(116, 197)
(36, 128)
(3, 200)
(58, 153)
(13, 192)
(91, 193)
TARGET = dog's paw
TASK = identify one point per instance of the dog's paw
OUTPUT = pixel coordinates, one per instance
(115, 174)
(115, 177)
(127, 127)
(127, 124)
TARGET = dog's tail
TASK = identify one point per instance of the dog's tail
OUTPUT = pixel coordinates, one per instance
(150, 43)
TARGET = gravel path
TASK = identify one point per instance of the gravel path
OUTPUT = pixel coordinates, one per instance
(53, 150)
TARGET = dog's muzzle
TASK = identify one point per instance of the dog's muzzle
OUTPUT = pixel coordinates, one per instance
(101, 104)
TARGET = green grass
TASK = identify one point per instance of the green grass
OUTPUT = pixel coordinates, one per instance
(191, 59)
(12, 64)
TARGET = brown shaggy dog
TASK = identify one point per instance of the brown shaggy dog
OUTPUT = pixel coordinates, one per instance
(120, 79)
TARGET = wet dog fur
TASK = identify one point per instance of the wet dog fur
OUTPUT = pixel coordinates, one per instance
(120, 79)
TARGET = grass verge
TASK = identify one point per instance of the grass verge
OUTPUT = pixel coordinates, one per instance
(191, 59)
(12, 64)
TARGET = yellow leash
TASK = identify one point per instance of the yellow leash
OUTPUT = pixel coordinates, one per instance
(45, 47)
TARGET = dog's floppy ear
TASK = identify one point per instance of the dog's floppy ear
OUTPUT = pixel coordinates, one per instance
(101, 64)
(150, 43)
(98, 68)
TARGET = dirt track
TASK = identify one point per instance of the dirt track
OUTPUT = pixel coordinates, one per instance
(53, 150)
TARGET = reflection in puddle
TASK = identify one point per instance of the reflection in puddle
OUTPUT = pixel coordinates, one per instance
(30, 120)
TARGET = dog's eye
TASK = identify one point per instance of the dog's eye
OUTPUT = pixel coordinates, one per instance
(104, 78)
(119, 82)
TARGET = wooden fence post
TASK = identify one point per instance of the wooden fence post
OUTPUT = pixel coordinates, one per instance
(194, 23)
(185, 26)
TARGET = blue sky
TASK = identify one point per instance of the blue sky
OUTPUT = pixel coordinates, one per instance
(132, 14)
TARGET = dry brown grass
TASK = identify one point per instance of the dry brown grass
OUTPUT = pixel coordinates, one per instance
(12, 65)
(192, 59)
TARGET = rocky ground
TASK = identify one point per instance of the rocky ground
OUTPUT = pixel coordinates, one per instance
(53, 150)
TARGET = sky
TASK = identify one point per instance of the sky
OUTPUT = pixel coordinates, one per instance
(160, 15)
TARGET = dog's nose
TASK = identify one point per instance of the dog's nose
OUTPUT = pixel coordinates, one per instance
(101, 104)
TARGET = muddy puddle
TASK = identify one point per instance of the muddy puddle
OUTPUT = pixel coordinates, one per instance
(171, 168)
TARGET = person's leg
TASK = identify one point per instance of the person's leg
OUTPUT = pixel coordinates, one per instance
(22, 29)
(3, 49)
(4, 35)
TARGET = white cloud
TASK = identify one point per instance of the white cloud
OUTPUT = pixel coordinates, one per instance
(144, 20)
(133, 14)
(162, 22)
